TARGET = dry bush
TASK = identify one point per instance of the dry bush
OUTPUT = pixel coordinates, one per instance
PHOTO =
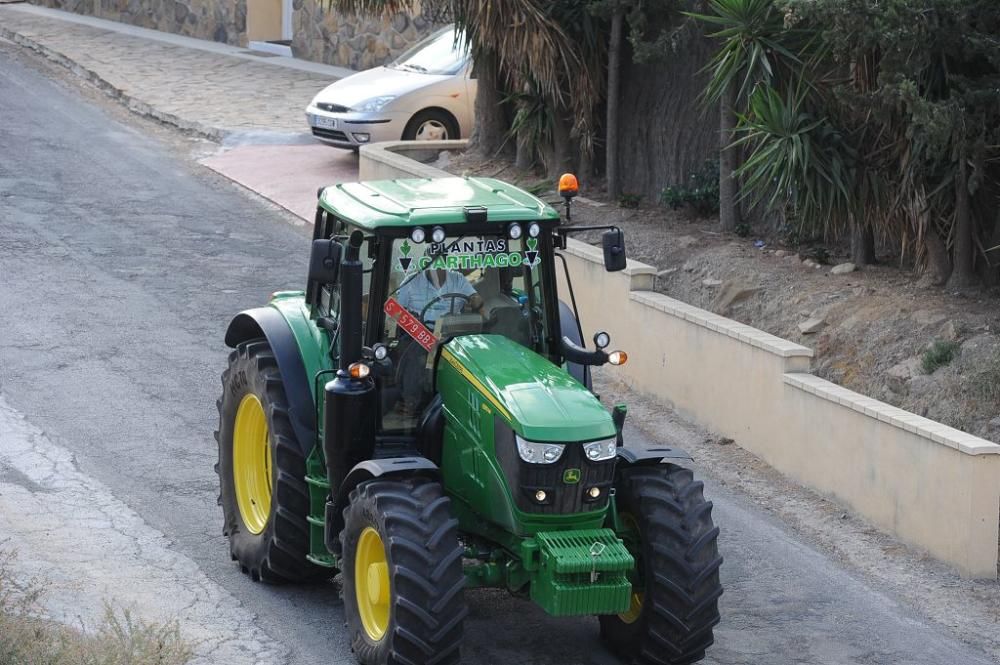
(26, 638)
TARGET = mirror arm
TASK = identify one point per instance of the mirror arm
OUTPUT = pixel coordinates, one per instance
(563, 231)
(581, 356)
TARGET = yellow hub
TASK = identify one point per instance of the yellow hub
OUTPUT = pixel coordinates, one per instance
(371, 581)
(634, 611)
(252, 464)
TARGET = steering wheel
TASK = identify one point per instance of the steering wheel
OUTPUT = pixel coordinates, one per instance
(435, 299)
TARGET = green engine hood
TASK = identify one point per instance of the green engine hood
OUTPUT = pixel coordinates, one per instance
(541, 402)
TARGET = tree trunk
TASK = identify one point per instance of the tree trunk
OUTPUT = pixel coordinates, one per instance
(664, 132)
(490, 131)
(614, 76)
(938, 263)
(729, 209)
(963, 274)
(862, 245)
(562, 151)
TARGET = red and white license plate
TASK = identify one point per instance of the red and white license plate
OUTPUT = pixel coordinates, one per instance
(410, 324)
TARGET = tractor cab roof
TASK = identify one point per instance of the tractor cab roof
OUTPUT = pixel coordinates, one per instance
(427, 201)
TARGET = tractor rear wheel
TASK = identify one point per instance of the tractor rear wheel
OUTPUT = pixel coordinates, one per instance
(262, 471)
(402, 574)
(667, 526)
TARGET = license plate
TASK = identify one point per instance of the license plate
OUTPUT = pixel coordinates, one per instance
(324, 122)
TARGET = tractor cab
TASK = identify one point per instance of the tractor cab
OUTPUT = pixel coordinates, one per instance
(441, 259)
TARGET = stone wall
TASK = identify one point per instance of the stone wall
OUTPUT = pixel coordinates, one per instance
(326, 36)
(219, 20)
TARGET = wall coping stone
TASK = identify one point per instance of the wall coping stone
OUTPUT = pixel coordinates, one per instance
(393, 154)
(891, 415)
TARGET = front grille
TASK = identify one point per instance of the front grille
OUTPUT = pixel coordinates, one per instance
(562, 498)
(333, 108)
(332, 134)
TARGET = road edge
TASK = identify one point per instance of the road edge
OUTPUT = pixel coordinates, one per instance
(136, 106)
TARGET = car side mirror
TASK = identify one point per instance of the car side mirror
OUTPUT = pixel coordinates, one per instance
(613, 243)
(324, 261)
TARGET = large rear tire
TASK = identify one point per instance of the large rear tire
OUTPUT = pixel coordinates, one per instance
(262, 472)
(667, 526)
(402, 574)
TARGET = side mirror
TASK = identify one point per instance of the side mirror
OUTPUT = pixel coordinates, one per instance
(613, 243)
(324, 261)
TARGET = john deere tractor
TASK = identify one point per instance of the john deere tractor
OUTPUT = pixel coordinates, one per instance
(421, 420)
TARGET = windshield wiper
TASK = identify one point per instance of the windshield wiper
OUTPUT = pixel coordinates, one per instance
(416, 68)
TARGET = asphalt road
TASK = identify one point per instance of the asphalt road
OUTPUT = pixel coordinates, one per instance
(120, 264)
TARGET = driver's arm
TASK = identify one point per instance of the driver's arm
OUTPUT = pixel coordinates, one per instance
(462, 285)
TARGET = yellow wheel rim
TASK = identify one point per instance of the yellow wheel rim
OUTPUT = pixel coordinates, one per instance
(631, 615)
(371, 584)
(634, 611)
(252, 464)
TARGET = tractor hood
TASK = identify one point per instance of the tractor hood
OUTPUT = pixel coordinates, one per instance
(541, 401)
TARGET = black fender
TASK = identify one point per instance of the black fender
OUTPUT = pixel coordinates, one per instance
(369, 470)
(268, 322)
(648, 456)
(570, 328)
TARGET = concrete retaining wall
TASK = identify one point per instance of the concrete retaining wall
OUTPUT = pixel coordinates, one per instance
(928, 484)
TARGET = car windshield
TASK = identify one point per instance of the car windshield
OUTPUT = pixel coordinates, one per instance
(470, 284)
(438, 54)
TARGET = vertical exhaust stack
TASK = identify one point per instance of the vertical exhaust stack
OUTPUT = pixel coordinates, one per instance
(350, 408)
(351, 276)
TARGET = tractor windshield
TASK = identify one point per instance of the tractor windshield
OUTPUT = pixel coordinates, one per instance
(470, 284)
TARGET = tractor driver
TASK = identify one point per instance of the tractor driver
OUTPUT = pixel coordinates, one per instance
(439, 284)
(447, 292)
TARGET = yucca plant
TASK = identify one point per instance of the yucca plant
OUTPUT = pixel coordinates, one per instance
(797, 158)
(754, 50)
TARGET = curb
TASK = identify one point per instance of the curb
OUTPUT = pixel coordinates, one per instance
(134, 105)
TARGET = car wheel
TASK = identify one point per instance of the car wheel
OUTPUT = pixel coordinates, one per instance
(431, 125)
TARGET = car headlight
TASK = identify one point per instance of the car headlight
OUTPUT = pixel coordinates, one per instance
(598, 451)
(539, 453)
(375, 103)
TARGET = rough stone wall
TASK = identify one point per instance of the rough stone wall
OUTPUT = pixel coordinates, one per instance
(349, 41)
(219, 20)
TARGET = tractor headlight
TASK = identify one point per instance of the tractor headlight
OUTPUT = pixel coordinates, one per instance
(539, 453)
(598, 451)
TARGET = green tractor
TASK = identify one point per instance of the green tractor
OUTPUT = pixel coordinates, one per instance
(421, 420)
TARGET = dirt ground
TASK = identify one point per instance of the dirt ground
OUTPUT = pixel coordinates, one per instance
(873, 327)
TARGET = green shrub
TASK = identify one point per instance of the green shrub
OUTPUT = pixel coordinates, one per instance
(627, 200)
(701, 193)
(939, 354)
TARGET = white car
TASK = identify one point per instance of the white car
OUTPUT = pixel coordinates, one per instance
(427, 94)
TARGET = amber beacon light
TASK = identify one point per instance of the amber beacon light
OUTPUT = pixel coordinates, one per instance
(568, 186)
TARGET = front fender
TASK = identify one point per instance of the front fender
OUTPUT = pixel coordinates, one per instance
(369, 470)
(269, 323)
(643, 456)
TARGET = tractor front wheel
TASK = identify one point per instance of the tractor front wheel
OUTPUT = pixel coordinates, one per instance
(262, 471)
(666, 524)
(402, 574)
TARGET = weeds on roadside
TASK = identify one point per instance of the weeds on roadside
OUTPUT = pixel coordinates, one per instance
(937, 355)
(26, 637)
